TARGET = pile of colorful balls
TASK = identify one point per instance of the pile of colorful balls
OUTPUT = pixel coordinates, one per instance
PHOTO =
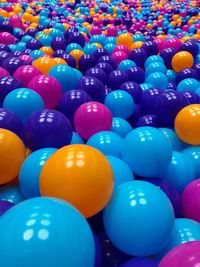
(99, 133)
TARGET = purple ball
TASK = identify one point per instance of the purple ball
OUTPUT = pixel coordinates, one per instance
(148, 120)
(47, 128)
(191, 46)
(11, 64)
(197, 68)
(151, 48)
(116, 78)
(4, 206)
(136, 74)
(59, 53)
(138, 55)
(97, 73)
(34, 44)
(100, 52)
(186, 73)
(6, 27)
(167, 55)
(140, 262)
(93, 87)
(167, 105)
(148, 100)
(71, 101)
(171, 192)
(10, 121)
(192, 97)
(58, 43)
(134, 89)
(107, 68)
(107, 59)
(77, 37)
(69, 59)
(5, 48)
(8, 84)
(86, 62)
(32, 32)
(4, 55)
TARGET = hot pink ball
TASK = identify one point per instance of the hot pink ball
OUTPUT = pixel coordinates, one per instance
(112, 31)
(92, 117)
(96, 30)
(184, 255)
(26, 73)
(185, 28)
(174, 43)
(7, 38)
(48, 88)
(15, 21)
(191, 200)
(121, 48)
(3, 72)
(119, 56)
(27, 59)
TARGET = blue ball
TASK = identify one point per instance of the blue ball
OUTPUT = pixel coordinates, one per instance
(177, 144)
(193, 152)
(155, 67)
(120, 103)
(47, 231)
(158, 79)
(76, 139)
(35, 54)
(180, 171)
(188, 84)
(126, 64)
(109, 143)
(11, 194)
(23, 102)
(152, 59)
(120, 126)
(147, 151)
(171, 75)
(139, 218)
(29, 174)
(122, 172)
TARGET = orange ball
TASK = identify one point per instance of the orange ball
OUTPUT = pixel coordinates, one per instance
(12, 155)
(125, 39)
(182, 60)
(59, 60)
(76, 54)
(47, 50)
(79, 174)
(187, 124)
(44, 64)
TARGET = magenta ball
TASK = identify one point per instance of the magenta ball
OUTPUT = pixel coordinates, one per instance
(121, 48)
(15, 21)
(119, 56)
(112, 31)
(48, 88)
(191, 200)
(184, 255)
(92, 117)
(26, 73)
(27, 59)
(7, 38)
(3, 72)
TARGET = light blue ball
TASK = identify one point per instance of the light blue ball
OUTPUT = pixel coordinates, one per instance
(188, 84)
(122, 172)
(147, 151)
(180, 172)
(184, 230)
(120, 103)
(139, 218)
(109, 143)
(29, 174)
(76, 139)
(89, 49)
(73, 46)
(146, 86)
(158, 79)
(23, 102)
(120, 127)
(109, 47)
(193, 152)
(171, 75)
(45, 40)
(152, 59)
(155, 67)
(126, 64)
(175, 141)
(35, 54)
(47, 231)
(11, 194)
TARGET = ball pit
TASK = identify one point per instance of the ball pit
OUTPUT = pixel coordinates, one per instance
(99, 133)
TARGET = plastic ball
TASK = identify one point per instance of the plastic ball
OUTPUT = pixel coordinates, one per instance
(11, 194)
(134, 89)
(120, 103)
(55, 227)
(11, 64)
(149, 217)
(155, 67)
(109, 143)
(182, 60)
(125, 39)
(116, 78)
(96, 73)
(30, 171)
(92, 117)
(12, 150)
(136, 74)
(154, 58)
(47, 128)
(7, 38)
(86, 62)
(23, 102)
(188, 84)
(139, 56)
(48, 88)
(158, 79)
(176, 143)
(186, 73)
(3, 72)
(167, 55)
(126, 64)
(25, 73)
(120, 126)
(187, 124)
(63, 181)
(194, 153)
(44, 64)
(154, 144)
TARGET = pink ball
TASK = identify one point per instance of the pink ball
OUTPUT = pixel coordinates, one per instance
(3, 72)
(95, 30)
(7, 38)
(174, 43)
(26, 73)
(184, 255)
(119, 56)
(112, 31)
(15, 21)
(121, 48)
(27, 59)
(191, 200)
(92, 117)
(48, 88)
(185, 28)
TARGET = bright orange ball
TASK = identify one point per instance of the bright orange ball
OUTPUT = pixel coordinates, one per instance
(125, 39)
(44, 64)
(59, 60)
(182, 60)
(47, 50)
(79, 174)
(187, 124)
(12, 155)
